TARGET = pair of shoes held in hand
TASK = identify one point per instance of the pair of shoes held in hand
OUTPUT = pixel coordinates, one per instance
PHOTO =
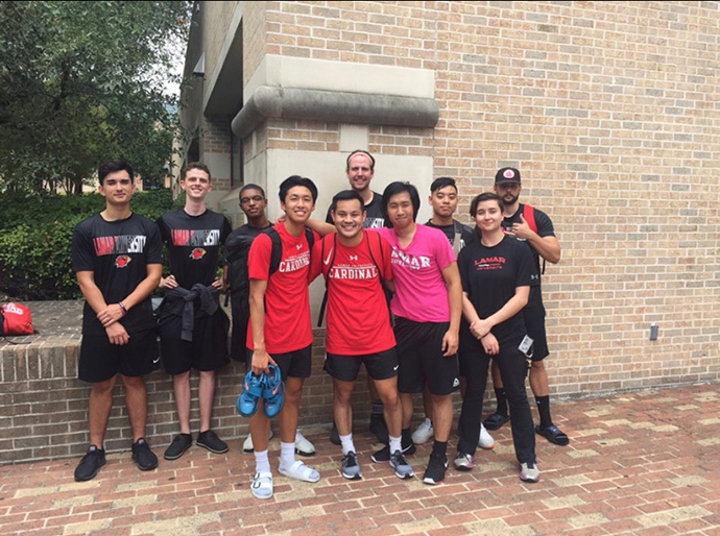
(269, 387)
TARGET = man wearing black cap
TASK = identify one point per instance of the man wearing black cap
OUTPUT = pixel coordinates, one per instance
(536, 229)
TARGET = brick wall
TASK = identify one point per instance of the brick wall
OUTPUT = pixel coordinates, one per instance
(610, 110)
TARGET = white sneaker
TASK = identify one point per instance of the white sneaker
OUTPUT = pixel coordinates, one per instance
(485, 441)
(303, 447)
(529, 472)
(248, 444)
(424, 432)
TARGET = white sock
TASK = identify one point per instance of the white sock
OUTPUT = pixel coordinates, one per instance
(262, 464)
(287, 454)
(395, 444)
(347, 444)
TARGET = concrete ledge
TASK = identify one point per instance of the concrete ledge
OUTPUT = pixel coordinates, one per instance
(334, 106)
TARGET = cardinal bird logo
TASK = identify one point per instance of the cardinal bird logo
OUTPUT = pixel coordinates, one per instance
(122, 261)
(197, 254)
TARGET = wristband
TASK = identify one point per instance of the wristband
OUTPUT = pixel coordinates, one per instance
(122, 307)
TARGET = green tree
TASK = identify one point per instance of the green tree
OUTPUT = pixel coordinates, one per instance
(84, 82)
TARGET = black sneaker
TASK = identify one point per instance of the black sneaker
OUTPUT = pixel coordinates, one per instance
(383, 455)
(90, 464)
(179, 445)
(435, 472)
(350, 468)
(209, 440)
(334, 435)
(378, 427)
(143, 456)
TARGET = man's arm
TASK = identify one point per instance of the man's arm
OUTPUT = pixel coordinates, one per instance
(260, 357)
(320, 227)
(548, 247)
(115, 311)
(451, 275)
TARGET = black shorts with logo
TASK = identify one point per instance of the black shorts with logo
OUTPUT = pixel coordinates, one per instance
(534, 316)
(240, 307)
(380, 366)
(419, 347)
(100, 360)
(296, 364)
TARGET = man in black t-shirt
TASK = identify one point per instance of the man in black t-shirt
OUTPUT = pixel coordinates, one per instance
(539, 235)
(360, 170)
(117, 258)
(253, 203)
(193, 326)
(444, 200)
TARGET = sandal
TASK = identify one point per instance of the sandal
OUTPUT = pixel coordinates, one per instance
(262, 486)
(300, 471)
(553, 434)
(495, 421)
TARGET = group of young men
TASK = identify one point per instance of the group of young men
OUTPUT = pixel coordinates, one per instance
(394, 303)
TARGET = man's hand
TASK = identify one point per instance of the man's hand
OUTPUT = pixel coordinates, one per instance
(450, 343)
(260, 361)
(117, 334)
(111, 314)
(490, 344)
(522, 230)
(218, 285)
(480, 328)
(168, 282)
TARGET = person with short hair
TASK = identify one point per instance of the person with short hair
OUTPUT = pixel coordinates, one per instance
(280, 330)
(497, 274)
(117, 258)
(193, 327)
(540, 238)
(359, 331)
(253, 204)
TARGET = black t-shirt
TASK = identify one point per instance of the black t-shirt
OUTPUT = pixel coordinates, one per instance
(544, 228)
(117, 252)
(374, 218)
(237, 247)
(466, 233)
(194, 244)
(490, 276)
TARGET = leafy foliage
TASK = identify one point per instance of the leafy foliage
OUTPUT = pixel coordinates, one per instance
(36, 233)
(84, 82)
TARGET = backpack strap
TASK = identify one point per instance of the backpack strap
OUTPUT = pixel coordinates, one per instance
(321, 315)
(529, 215)
(276, 251)
(457, 238)
(381, 271)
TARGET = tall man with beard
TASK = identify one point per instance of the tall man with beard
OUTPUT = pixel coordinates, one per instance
(540, 238)
(117, 258)
(193, 326)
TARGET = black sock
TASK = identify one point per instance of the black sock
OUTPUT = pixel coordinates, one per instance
(440, 448)
(377, 407)
(543, 406)
(501, 402)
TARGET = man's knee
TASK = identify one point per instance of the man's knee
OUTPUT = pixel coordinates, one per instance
(104, 387)
(133, 382)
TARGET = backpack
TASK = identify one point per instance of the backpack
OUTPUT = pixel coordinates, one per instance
(381, 275)
(529, 215)
(15, 319)
(276, 253)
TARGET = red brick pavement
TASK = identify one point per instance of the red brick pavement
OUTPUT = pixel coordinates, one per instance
(641, 464)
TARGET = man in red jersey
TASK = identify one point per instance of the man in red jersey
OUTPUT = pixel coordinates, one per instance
(280, 331)
(355, 263)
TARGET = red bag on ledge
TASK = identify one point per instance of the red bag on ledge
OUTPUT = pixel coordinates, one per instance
(15, 319)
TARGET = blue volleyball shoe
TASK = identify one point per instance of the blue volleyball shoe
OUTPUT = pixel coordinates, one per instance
(273, 392)
(252, 392)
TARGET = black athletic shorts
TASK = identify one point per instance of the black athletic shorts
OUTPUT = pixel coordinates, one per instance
(240, 307)
(379, 366)
(100, 360)
(207, 350)
(419, 347)
(534, 316)
(297, 364)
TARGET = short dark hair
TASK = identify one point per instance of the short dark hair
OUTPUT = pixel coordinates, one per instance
(197, 165)
(397, 187)
(112, 166)
(347, 195)
(297, 180)
(487, 196)
(442, 182)
(360, 151)
(251, 186)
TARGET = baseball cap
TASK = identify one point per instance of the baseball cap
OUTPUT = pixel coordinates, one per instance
(507, 175)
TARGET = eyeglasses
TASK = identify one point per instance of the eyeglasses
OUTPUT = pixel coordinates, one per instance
(246, 200)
